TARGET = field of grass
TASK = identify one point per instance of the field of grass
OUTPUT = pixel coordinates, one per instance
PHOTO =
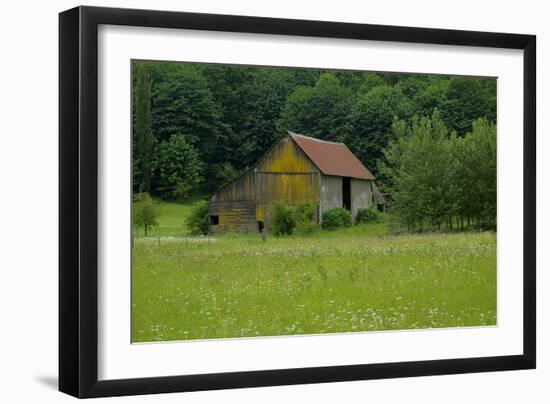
(356, 279)
(171, 219)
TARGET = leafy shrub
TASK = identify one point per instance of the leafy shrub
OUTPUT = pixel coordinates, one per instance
(304, 218)
(336, 218)
(197, 221)
(283, 219)
(368, 215)
(144, 212)
(306, 228)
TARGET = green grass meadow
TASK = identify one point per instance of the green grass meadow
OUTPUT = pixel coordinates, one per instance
(356, 279)
(171, 219)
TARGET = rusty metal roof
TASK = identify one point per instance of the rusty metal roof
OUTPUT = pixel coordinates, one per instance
(332, 158)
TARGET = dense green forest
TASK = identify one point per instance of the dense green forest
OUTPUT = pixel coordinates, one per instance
(430, 140)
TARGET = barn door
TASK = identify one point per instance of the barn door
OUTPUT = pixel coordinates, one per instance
(346, 193)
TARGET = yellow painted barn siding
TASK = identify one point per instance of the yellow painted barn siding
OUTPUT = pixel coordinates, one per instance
(236, 215)
(243, 188)
(284, 175)
(290, 188)
(272, 187)
(230, 217)
(226, 219)
(286, 157)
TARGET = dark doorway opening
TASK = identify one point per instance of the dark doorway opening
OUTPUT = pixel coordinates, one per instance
(346, 193)
(214, 220)
(260, 226)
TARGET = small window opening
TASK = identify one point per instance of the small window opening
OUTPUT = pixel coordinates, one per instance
(214, 220)
(260, 226)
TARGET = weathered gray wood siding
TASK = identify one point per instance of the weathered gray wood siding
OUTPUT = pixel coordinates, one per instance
(361, 195)
(331, 193)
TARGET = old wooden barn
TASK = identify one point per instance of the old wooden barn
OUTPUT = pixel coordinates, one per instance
(295, 169)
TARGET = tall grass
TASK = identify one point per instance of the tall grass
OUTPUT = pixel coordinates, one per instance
(355, 279)
(171, 218)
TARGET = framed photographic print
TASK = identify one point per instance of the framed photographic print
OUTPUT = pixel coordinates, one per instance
(251, 201)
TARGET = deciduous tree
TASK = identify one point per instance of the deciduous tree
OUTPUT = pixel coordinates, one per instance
(144, 212)
(178, 168)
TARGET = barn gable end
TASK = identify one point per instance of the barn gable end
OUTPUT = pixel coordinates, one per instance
(283, 174)
(295, 169)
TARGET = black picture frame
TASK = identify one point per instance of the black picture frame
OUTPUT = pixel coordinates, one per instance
(78, 201)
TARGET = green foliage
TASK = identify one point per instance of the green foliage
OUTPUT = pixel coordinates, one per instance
(440, 180)
(336, 218)
(369, 126)
(431, 97)
(318, 111)
(423, 175)
(178, 168)
(217, 175)
(304, 217)
(144, 139)
(370, 81)
(467, 100)
(368, 215)
(283, 220)
(144, 212)
(197, 221)
(252, 100)
(477, 156)
(184, 104)
(359, 81)
(412, 85)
